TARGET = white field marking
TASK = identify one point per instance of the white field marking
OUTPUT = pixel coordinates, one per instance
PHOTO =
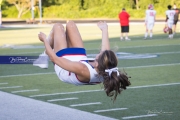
(160, 65)
(107, 110)
(65, 93)
(147, 86)
(20, 91)
(76, 92)
(140, 116)
(97, 49)
(3, 83)
(20, 53)
(162, 53)
(26, 74)
(53, 100)
(85, 104)
(138, 46)
(10, 87)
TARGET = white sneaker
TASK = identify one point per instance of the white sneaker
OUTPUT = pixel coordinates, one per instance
(127, 39)
(121, 38)
(42, 61)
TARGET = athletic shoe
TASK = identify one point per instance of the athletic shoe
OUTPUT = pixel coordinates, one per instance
(127, 39)
(121, 38)
(145, 38)
(42, 61)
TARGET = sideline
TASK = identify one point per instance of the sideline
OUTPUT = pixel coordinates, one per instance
(15, 107)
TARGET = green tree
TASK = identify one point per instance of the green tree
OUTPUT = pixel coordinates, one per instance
(23, 6)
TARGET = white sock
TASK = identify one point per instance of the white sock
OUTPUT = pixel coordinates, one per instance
(146, 34)
(151, 34)
(44, 53)
(171, 35)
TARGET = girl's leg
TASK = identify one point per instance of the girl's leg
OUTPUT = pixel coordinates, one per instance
(57, 41)
(58, 37)
(73, 36)
(50, 39)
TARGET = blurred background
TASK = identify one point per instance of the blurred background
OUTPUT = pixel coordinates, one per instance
(79, 9)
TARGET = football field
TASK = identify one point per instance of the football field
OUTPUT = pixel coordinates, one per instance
(153, 64)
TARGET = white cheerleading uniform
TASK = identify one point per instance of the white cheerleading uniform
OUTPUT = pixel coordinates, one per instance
(76, 54)
(170, 14)
(150, 19)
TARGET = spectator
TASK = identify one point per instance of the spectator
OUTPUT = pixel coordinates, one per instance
(124, 22)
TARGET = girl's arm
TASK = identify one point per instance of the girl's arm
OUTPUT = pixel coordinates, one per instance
(105, 37)
(75, 67)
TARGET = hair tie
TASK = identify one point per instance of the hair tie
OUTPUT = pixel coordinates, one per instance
(112, 70)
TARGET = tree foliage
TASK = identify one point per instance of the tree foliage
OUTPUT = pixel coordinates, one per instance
(90, 8)
(23, 6)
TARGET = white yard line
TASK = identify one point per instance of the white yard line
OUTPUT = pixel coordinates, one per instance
(85, 104)
(26, 74)
(140, 116)
(64, 93)
(3, 83)
(22, 91)
(107, 110)
(10, 87)
(147, 86)
(20, 53)
(63, 99)
(160, 65)
(76, 92)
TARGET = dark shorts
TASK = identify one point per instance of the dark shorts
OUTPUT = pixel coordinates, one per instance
(124, 29)
(175, 22)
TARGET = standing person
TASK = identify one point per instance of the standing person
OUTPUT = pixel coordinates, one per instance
(124, 22)
(170, 20)
(66, 51)
(149, 21)
(176, 17)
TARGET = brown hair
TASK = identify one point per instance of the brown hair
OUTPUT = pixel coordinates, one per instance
(113, 84)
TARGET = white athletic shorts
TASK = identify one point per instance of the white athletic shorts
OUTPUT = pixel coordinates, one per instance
(73, 54)
(170, 23)
(150, 25)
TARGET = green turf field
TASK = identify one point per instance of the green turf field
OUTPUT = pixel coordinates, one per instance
(153, 64)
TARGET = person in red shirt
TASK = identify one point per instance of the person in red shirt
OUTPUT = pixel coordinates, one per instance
(124, 22)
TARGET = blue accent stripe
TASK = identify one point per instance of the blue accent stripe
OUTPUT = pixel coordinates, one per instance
(71, 51)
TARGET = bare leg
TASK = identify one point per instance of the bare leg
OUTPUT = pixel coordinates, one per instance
(58, 40)
(151, 33)
(59, 37)
(126, 35)
(73, 36)
(122, 36)
(146, 33)
(50, 39)
(174, 28)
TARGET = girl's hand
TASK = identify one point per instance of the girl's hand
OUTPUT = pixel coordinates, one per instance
(42, 37)
(102, 25)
